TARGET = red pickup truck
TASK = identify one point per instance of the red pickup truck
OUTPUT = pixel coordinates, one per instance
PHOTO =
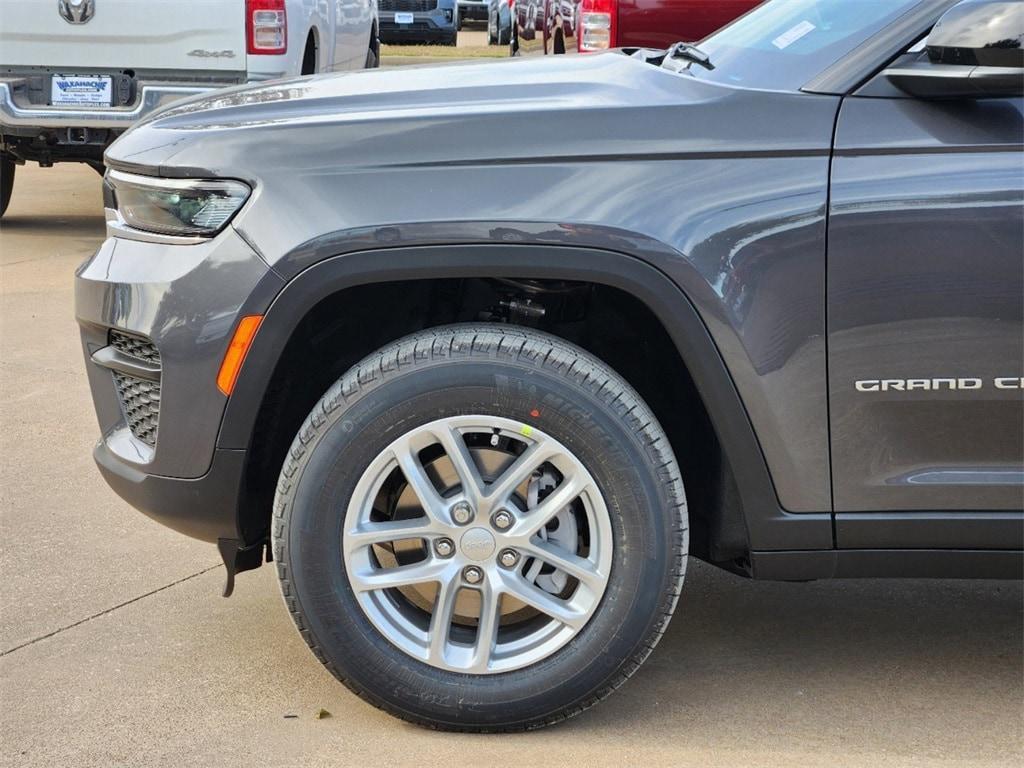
(560, 26)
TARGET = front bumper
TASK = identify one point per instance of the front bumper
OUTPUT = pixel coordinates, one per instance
(425, 27)
(182, 300)
(150, 98)
(477, 11)
(202, 507)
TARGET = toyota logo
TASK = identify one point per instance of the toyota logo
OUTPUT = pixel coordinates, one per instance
(76, 11)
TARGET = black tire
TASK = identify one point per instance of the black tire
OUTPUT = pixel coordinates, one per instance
(372, 60)
(519, 374)
(309, 62)
(7, 168)
(504, 36)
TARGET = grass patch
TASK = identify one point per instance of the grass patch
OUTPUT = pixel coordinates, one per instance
(443, 52)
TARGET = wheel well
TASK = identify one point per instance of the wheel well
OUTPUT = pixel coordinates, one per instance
(310, 54)
(607, 322)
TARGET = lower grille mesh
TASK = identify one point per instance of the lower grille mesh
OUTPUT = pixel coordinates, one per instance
(140, 397)
(420, 6)
(134, 346)
(140, 400)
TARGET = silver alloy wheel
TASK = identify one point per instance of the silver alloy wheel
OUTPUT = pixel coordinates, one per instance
(422, 602)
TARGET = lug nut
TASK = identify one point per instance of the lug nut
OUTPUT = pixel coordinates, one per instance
(444, 547)
(502, 520)
(508, 558)
(462, 513)
(472, 574)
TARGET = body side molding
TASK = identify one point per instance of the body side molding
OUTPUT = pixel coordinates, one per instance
(888, 564)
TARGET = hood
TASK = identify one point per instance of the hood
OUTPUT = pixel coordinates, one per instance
(407, 92)
(355, 106)
(517, 110)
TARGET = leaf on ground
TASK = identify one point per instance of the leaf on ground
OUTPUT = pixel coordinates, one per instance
(321, 714)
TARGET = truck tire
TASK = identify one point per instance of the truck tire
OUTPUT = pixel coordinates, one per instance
(7, 168)
(481, 528)
(373, 54)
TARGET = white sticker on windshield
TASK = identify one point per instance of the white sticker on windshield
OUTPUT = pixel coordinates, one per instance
(786, 39)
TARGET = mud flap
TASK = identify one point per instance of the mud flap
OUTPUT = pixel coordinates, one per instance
(238, 557)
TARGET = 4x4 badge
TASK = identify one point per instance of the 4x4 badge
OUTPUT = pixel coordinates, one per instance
(76, 11)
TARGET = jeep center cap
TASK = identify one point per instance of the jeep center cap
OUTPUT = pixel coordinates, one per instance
(477, 544)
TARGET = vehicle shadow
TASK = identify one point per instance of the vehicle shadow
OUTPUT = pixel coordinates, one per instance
(914, 667)
(59, 203)
(49, 224)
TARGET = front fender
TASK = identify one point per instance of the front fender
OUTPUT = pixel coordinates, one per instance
(344, 260)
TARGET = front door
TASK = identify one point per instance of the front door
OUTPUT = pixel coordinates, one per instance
(924, 289)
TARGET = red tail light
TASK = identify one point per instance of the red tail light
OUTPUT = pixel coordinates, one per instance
(266, 26)
(598, 22)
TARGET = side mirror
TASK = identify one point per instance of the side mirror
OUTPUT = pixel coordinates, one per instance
(974, 51)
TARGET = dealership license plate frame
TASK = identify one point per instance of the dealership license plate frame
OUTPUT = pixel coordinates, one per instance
(81, 90)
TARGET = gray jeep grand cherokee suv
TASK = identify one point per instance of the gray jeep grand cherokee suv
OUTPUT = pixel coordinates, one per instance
(759, 302)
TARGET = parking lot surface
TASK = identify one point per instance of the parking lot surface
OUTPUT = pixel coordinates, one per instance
(117, 650)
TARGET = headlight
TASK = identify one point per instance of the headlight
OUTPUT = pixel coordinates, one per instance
(195, 207)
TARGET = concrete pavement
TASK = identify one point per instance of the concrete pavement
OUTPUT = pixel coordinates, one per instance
(117, 650)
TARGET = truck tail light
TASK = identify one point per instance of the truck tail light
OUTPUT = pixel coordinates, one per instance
(266, 26)
(598, 22)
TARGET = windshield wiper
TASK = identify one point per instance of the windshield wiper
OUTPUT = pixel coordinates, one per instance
(690, 53)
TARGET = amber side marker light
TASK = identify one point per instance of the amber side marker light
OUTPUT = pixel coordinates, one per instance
(237, 349)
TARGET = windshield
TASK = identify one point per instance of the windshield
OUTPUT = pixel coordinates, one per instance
(783, 44)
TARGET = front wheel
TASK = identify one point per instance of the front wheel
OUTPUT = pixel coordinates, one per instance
(481, 528)
(373, 52)
(7, 168)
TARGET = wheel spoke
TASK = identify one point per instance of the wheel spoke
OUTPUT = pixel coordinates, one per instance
(519, 471)
(454, 445)
(546, 603)
(387, 531)
(369, 579)
(578, 567)
(441, 620)
(487, 629)
(538, 517)
(418, 481)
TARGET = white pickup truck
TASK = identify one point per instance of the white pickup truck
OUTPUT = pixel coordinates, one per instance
(76, 73)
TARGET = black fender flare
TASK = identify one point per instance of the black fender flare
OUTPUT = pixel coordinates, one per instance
(768, 525)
